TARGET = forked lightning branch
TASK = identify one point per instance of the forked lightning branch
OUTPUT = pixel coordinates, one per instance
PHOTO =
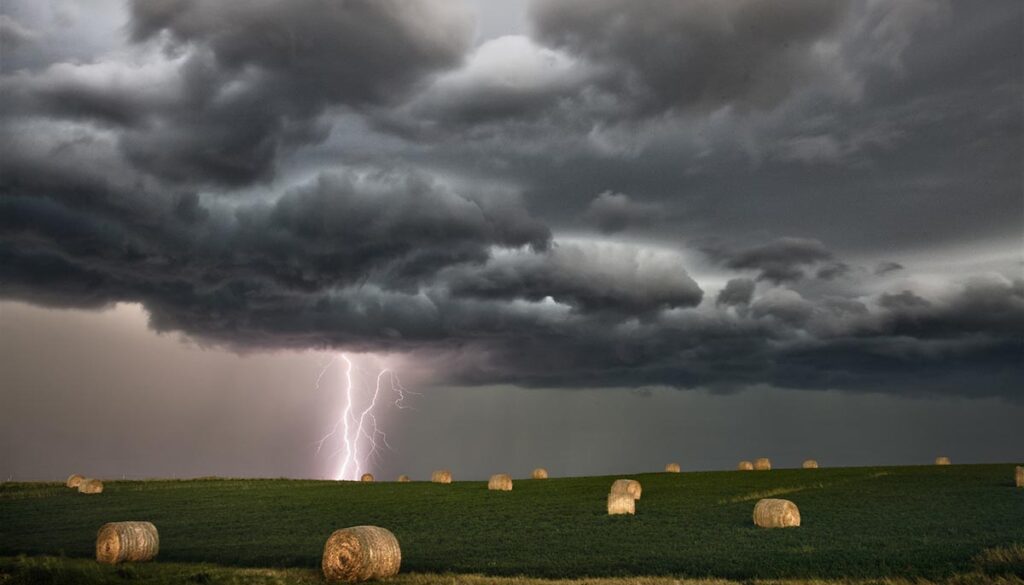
(357, 434)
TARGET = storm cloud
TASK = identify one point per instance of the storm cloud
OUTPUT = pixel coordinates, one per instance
(696, 54)
(615, 212)
(773, 181)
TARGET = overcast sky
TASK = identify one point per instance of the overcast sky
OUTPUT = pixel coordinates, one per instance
(582, 234)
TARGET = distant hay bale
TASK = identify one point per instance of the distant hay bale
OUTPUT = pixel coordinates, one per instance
(441, 476)
(775, 513)
(1020, 476)
(117, 542)
(621, 503)
(631, 487)
(368, 477)
(763, 464)
(403, 478)
(745, 466)
(501, 482)
(942, 461)
(673, 468)
(73, 480)
(540, 473)
(810, 464)
(361, 553)
(90, 486)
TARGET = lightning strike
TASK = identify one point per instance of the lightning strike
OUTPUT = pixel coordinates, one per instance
(352, 431)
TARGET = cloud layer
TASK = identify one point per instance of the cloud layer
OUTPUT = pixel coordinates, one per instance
(699, 194)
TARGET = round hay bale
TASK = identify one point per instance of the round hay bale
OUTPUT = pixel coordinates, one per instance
(745, 466)
(366, 477)
(763, 464)
(501, 482)
(1020, 476)
(73, 480)
(90, 486)
(810, 464)
(361, 553)
(942, 461)
(441, 476)
(403, 478)
(621, 503)
(540, 473)
(673, 468)
(775, 513)
(117, 542)
(631, 487)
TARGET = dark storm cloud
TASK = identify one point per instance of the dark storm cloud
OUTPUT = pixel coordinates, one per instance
(614, 212)
(782, 260)
(338, 230)
(902, 300)
(177, 180)
(833, 270)
(359, 51)
(249, 81)
(871, 113)
(887, 267)
(705, 54)
(737, 292)
(784, 305)
(392, 261)
(791, 342)
(588, 277)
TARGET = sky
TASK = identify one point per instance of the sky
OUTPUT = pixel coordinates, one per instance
(566, 233)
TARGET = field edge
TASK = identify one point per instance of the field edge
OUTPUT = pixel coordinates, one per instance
(1001, 566)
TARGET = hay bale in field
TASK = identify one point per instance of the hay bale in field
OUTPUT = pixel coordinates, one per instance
(540, 473)
(501, 482)
(775, 513)
(942, 461)
(810, 464)
(745, 466)
(763, 464)
(673, 468)
(631, 487)
(1020, 476)
(90, 486)
(441, 476)
(117, 542)
(403, 478)
(621, 503)
(368, 477)
(73, 480)
(361, 553)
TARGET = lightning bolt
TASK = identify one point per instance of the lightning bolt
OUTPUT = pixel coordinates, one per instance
(351, 430)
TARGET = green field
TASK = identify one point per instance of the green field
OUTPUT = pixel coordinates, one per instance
(858, 523)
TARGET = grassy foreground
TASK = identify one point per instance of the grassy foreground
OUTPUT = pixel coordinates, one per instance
(956, 523)
(61, 571)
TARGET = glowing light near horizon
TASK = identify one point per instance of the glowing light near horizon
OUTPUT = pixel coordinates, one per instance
(359, 437)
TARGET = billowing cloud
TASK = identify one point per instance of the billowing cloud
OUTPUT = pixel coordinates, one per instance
(360, 51)
(250, 80)
(356, 175)
(737, 292)
(779, 261)
(503, 79)
(587, 276)
(697, 54)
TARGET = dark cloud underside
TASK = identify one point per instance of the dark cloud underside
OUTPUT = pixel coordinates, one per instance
(711, 194)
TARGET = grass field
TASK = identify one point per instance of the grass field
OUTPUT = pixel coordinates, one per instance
(858, 523)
